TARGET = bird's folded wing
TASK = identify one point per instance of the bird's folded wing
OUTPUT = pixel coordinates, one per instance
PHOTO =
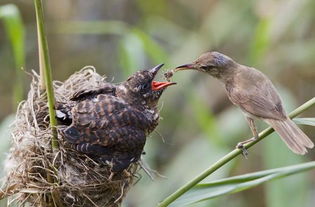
(101, 121)
(88, 93)
(258, 99)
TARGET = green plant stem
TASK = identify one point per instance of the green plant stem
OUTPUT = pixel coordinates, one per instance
(45, 70)
(228, 158)
(46, 85)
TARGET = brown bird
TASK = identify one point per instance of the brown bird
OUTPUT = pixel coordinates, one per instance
(255, 94)
(110, 124)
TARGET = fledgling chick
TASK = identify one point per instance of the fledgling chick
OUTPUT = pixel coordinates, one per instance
(110, 124)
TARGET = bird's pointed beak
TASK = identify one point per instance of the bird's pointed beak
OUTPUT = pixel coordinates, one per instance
(156, 85)
(189, 66)
(156, 69)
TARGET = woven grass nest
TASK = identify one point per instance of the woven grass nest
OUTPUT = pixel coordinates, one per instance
(37, 176)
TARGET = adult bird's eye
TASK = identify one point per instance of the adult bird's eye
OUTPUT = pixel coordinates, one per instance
(206, 67)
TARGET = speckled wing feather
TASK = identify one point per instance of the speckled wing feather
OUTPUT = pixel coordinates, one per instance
(80, 95)
(256, 95)
(108, 128)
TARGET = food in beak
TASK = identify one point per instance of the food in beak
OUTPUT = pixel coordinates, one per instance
(168, 75)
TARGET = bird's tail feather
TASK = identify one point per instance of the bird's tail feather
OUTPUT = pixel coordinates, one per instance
(292, 135)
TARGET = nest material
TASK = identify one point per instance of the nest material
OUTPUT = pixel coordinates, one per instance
(37, 176)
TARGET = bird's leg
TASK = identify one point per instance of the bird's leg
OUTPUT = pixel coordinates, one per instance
(252, 127)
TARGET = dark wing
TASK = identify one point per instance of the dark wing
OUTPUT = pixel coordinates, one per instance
(93, 119)
(121, 139)
(254, 93)
(103, 120)
(108, 129)
(90, 93)
(124, 146)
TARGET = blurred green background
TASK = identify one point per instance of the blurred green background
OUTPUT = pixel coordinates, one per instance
(199, 124)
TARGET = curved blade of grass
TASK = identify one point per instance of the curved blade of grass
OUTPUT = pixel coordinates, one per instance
(235, 184)
(276, 192)
(13, 24)
(305, 121)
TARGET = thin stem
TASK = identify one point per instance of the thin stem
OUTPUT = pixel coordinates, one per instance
(224, 160)
(45, 70)
(46, 85)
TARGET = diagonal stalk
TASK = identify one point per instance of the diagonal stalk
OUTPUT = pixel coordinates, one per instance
(228, 157)
(45, 70)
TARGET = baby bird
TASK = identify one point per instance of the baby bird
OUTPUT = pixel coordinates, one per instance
(110, 124)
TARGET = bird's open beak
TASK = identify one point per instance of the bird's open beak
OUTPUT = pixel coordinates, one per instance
(156, 85)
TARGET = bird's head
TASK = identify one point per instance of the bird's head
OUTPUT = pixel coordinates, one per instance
(141, 88)
(213, 63)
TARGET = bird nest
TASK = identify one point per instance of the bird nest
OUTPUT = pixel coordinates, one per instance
(36, 175)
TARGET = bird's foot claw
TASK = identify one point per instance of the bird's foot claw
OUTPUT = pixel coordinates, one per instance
(243, 148)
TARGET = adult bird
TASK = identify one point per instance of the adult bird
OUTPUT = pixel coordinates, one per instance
(254, 93)
(110, 124)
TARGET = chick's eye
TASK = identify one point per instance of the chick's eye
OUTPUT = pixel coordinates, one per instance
(144, 86)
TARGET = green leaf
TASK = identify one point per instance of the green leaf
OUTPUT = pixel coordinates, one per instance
(235, 184)
(154, 50)
(14, 28)
(131, 54)
(260, 42)
(305, 121)
(277, 192)
(13, 24)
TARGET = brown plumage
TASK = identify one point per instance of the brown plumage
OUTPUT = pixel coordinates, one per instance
(255, 94)
(110, 124)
